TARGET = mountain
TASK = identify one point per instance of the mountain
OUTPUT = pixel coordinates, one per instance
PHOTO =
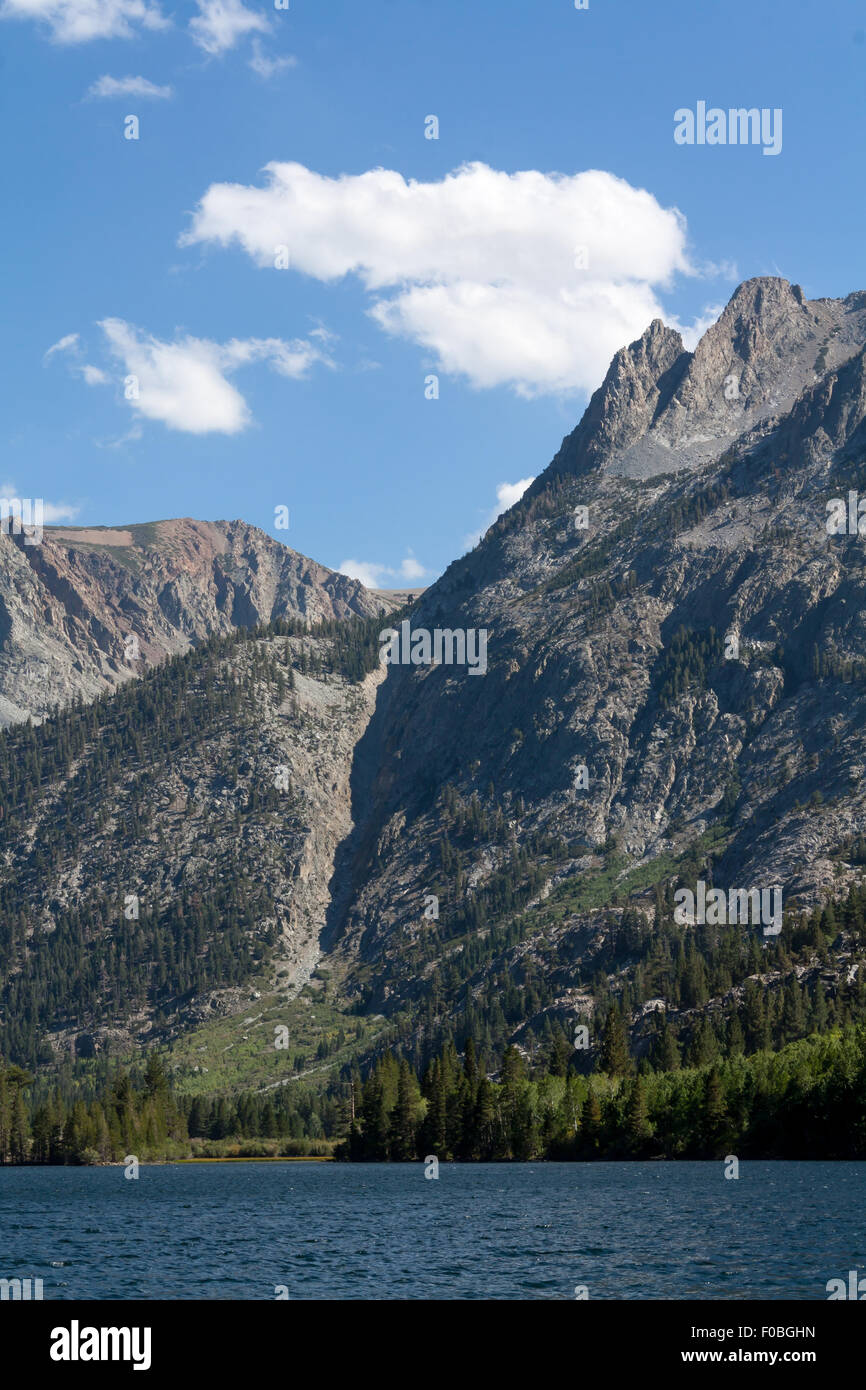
(675, 693)
(91, 607)
(661, 408)
(164, 842)
(606, 652)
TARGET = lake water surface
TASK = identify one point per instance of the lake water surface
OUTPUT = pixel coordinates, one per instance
(325, 1230)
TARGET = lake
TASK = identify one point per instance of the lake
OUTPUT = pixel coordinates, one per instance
(479, 1231)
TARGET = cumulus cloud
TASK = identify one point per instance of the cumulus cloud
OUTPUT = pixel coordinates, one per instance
(79, 21)
(266, 67)
(220, 23)
(378, 576)
(184, 384)
(530, 280)
(128, 87)
(506, 496)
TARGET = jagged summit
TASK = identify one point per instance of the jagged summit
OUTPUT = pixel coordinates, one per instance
(675, 691)
(662, 408)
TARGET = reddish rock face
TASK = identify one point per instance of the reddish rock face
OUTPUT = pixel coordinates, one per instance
(91, 607)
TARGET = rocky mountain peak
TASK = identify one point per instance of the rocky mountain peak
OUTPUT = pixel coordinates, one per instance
(674, 693)
(624, 406)
(662, 408)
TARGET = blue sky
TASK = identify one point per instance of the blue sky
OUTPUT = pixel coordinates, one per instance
(304, 386)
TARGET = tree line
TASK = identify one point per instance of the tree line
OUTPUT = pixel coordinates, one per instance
(806, 1101)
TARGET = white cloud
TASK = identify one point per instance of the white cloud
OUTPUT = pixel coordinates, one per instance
(377, 576)
(52, 512)
(220, 23)
(130, 436)
(78, 21)
(265, 66)
(292, 359)
(410, 569)
(94, 376)
(128, 87)
(370, 575)
(67, 344)
(71, 344)
(506, 496)
(184, 384)
(528, 279)
(59, 511)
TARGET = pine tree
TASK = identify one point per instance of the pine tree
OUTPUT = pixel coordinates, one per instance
(5, 1114)
(559, 1054)
(704, 1047)
(736, 1041)
(524, 1129)
(470, 1066)
(592, 1123)
(375, 1118)
(614, 1058)
(402, 1129)
(484, 1126)
(793, 1016)
(637, 1125)
(155, 1082)
(666, 1053)
(435, 1121)
(19, 1130)
(819, 1008)
(715, 1124)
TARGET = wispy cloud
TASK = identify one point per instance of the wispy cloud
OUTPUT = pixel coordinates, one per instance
(94, 376)
(266, 67)
(221, 23)
(70, 347)
(130, 436)
(128, 87)
(79, 21)
(67, 344)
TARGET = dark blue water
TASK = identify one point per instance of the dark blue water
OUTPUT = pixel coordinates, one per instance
(626, 1230)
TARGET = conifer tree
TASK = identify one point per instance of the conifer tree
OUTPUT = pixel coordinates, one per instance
(637, 1125)
(614, 1057)
(402, 1130)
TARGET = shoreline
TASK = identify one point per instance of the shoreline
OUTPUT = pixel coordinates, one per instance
(260, 1158)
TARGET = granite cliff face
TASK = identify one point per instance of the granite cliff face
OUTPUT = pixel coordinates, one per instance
(170, 844)
(676, 686)
(684, 673)
(661, 408)
(90, 608)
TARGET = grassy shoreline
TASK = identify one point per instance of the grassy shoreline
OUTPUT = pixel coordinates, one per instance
(260, 1158)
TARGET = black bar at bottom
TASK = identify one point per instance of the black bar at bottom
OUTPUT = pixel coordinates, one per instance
(254, 1339)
